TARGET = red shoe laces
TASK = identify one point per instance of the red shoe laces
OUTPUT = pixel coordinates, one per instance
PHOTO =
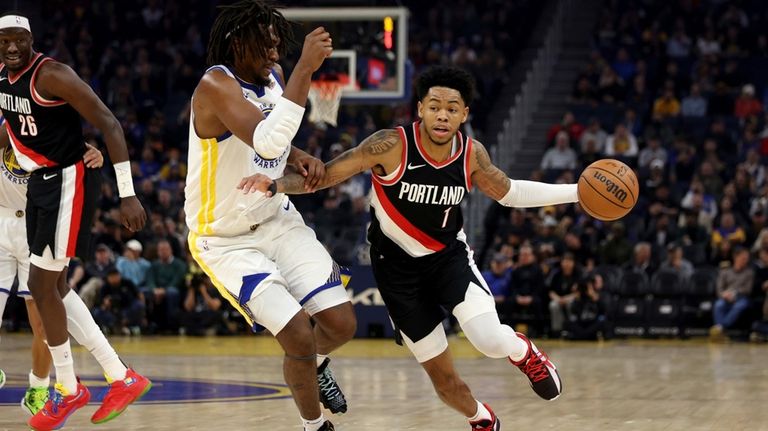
(536, 368)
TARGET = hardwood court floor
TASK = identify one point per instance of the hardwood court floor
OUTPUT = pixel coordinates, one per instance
(618, 385)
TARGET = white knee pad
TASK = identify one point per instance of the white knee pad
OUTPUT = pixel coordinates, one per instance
(491, 338)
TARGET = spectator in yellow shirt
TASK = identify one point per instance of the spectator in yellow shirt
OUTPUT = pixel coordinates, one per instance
(666, 106)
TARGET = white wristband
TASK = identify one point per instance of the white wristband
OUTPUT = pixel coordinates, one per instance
(124, 179)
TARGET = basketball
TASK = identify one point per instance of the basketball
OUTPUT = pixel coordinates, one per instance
(608, 189)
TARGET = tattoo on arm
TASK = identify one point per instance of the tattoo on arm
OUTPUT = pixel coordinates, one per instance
(381, 141)
(488, 178)
(350, 163)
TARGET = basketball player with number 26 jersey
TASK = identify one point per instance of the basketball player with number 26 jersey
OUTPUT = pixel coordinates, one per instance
(42, 102)
(420, 258)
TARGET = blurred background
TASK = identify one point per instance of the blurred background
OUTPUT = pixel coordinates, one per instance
(676, 89)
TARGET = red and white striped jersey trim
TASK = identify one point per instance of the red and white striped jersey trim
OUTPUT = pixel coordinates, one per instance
(70, 210)
(387, 181)
(28, 159)
(397, 228)
(37, 97)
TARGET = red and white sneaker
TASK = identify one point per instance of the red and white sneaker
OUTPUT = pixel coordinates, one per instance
(120, 395)
(59, 407)
(487, 425)
(542, 373)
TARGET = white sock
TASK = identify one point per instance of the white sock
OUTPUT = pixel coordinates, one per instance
(482, 413)
(320, 359)
(65, 367)
(85, 330)
(38, 382)
(313, 425)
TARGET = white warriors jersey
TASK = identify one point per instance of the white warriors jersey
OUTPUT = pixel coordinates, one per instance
(215, 167)
(13, 179)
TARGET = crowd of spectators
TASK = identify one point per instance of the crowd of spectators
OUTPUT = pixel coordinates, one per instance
(145, 58)
(677, 91)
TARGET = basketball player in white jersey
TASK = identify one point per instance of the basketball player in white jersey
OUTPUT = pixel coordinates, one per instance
(420, 258)
(257, 251)
(14, 262)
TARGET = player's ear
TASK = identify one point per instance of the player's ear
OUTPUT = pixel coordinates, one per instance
(466, 114)
(419, 109)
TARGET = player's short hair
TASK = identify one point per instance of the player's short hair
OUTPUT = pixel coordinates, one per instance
(446, 76)
(248, 22)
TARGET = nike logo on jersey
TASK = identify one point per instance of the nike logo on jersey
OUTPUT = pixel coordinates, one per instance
(3, 79)
(412, 166)
(47, 177)
(287, 205)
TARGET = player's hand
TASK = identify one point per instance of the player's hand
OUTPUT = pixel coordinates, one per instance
(132, 214)
(318, 45)
(255, 183)
(93, 158)
(312, 169)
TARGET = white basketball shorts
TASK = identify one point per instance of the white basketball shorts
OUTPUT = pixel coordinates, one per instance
(282, 252)
(14, 251)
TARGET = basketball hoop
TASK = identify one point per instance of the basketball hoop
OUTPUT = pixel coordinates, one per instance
(325, 97)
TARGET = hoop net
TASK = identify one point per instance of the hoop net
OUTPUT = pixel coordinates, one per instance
(325, 97)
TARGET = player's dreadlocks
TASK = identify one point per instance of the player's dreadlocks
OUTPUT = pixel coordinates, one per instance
(248, 22)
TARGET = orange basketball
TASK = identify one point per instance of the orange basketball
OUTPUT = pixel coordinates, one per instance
(608, 189)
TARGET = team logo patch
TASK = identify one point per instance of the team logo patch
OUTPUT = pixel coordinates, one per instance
(167, 390)
(12, 166)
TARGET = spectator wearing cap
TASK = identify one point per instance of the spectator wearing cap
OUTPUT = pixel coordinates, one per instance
(132, 266)
(747, 105)
(95, 273)
(497, 276)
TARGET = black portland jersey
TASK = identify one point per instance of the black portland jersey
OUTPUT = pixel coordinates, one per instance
(44, 133)
(416, 210)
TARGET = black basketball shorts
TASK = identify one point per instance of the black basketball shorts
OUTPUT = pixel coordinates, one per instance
(61, 203)
(419, 292)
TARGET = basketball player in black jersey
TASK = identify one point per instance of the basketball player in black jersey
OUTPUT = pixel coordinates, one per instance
(422, 264)
(43, 101)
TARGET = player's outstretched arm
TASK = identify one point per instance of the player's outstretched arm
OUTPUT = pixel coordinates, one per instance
(57, 80)
(219, 105)
(381, 149)
(515, 193)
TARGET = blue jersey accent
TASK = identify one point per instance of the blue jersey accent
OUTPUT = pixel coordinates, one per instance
(249, 285)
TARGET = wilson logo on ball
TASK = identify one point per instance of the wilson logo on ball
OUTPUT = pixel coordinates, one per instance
(611, 187)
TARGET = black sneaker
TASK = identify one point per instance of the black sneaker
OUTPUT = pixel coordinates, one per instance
(330, 393)
(542, 373)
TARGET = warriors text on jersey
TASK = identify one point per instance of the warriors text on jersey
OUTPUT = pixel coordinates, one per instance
(216, 165)
(44, 133)
(13, 181)
(417, 208)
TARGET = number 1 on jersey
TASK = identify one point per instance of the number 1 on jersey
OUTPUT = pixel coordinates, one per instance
(28, 126)
(445, 219)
